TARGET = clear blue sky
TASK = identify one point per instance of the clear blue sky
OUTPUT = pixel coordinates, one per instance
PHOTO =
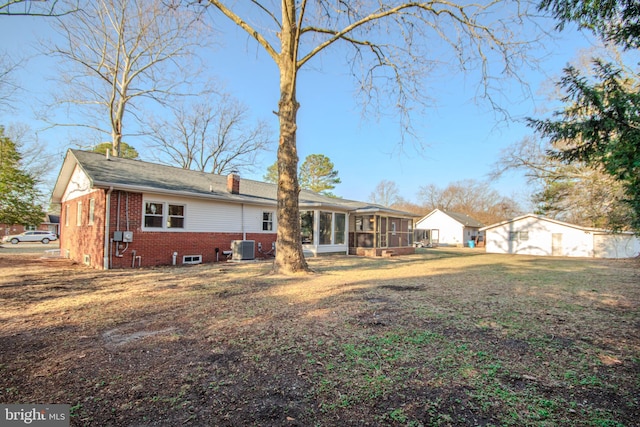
(461, 139)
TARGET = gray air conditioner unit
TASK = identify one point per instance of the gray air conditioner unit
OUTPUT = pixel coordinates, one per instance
(243, 249)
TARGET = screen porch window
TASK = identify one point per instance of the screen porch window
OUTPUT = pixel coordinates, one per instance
(340, 228)
(306, 227)
(326, 227)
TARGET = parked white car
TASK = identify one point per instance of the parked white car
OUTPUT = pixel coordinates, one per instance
(31, 236)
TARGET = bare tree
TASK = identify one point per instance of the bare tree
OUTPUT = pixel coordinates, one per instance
(9, 85)
(36, 7)
(392, 45)
(212, 135)
(386, 193)
(474, 198)
(573, 192)
(119, 54)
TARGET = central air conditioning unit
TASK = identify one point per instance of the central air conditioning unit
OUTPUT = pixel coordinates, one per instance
(243, 249)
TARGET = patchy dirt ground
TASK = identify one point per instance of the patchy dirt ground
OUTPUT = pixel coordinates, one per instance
(445, 337)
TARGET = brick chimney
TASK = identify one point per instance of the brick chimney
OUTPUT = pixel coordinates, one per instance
(233, 183)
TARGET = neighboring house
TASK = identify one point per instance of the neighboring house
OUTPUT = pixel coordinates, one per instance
(50, 223)
(535, 235)
(446, 228)
(119, 213)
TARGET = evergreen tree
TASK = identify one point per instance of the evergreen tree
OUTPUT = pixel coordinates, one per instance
(18, 193)
(126, 151)
(272, 174)
(317, 174)
(600, 124)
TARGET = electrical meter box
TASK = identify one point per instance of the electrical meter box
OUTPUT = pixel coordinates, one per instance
(117, 236)
(127, 236)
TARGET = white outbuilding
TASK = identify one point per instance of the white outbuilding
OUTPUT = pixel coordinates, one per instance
(535, 235)
(446, 228)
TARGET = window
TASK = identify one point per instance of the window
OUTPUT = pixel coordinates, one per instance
(393, 228)
(153, 215)
(176, 216)
(79, 215)
(161, 215)
(306, 227)
(518, 236)
(326, 227)
(267, 221)
(340, 228)
(92, 209)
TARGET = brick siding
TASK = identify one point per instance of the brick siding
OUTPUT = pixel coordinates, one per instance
(153, 247)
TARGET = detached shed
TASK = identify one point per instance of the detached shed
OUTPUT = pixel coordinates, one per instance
(449, 228)
(535, 235)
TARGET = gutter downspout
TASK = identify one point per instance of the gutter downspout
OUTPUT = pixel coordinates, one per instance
(107, 219)
(244, 233)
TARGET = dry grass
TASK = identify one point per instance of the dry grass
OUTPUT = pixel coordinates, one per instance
(445, 337)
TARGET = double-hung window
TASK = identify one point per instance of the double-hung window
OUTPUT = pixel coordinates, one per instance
(175, 218)
(79, 214)
(92, 210)
(267, 221)
(161, 215)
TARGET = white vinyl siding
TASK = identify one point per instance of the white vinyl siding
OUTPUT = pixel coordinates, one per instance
(530, 235)
(213, 216)
(451, 231)
(79, 185)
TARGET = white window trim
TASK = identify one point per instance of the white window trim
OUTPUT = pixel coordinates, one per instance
(92, 210)
(165, 216)
(271, 221)
(79, 215)
(333, 229)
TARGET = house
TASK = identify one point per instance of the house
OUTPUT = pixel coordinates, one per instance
(448, 228)
(50, 223)
(535, 235)
(121, 213)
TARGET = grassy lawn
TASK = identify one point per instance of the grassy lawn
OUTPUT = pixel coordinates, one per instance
(446, 337)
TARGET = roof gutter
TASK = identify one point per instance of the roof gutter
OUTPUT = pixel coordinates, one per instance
(152, 190)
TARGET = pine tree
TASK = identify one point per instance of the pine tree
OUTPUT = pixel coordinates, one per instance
(317, 174)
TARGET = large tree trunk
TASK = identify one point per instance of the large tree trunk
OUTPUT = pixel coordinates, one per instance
(289, 256)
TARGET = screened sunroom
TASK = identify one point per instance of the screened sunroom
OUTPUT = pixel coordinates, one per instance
(323, 231)
(377, 233)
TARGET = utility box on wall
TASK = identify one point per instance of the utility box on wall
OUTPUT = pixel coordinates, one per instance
(123, 236)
